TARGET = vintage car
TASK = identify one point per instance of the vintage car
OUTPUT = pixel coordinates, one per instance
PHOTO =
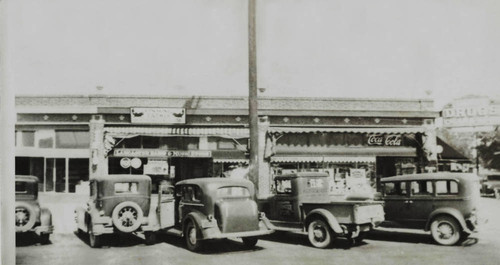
(303, 204)
(211, 208)
(444, 203)
(117, 204)
(490, 184)
(30, 217)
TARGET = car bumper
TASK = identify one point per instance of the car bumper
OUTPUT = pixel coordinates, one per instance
(46, 229)
(265, 228)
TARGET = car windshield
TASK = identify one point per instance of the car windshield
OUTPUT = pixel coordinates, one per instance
(232, 192)
(494, 177)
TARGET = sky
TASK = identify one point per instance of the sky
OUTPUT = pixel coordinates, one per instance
(438, 49)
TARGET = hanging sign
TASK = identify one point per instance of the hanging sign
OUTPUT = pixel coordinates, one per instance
(138, 152)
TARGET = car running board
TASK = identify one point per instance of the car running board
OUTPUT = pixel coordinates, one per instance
(172, 231)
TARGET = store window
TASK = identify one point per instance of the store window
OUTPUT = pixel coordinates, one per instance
(72, 139)
(150, 142)
(78, 173)
(28, 138)
(45, 138)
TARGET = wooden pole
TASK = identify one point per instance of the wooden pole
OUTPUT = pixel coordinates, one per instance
(252, 97)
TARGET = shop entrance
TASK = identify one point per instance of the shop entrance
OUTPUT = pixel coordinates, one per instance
(182, 168)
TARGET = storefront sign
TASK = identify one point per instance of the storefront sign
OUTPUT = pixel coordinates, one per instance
(156, 167)
(387, 140)
(466, 113)
(158, 115)
(160, 153)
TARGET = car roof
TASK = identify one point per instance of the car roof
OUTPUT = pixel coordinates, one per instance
(302, 175)
(121, 177)
(215, 181)
(431, 176)
(26, 178)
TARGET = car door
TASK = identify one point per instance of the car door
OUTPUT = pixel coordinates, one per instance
(166, 206)
(283, 204)
(395, 201)
(420, 203)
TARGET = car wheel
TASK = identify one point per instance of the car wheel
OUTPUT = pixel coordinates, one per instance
(44, 239)
(127, 216)
(94, 240)
(250, 242)
(319, 233)
(25, 217)
(445, 230)
(191, 235)
(150, 237)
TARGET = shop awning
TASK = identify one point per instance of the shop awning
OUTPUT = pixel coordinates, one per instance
(127, 132)
(398, 130)
(326, 159)
(231, 160)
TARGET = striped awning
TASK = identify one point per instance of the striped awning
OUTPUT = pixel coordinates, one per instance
(231, 160)
(396, 130)
(326, 159)
(127, 132)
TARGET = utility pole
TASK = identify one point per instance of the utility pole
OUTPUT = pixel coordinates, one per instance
(252, 97)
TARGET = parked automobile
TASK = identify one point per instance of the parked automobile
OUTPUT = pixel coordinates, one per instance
(30, 217)
(117, 204)
(303, 204)
(444, 203)
(490, 184)
(211, 208)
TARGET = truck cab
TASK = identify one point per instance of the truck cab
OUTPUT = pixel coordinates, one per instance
(303, 203)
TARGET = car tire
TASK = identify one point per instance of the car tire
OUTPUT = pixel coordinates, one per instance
(445, 230)
(44, 239)
(94, 240)
(191, 233)
(319, 233)
(150, 238)
(127, 216)
(250, 242)
(25, 216)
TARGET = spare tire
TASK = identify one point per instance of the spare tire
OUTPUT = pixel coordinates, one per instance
(25, 216)
(127, 216)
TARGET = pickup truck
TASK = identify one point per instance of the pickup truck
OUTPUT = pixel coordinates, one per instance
(303, 204)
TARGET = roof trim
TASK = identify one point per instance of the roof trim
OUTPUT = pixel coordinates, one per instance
(399, 130)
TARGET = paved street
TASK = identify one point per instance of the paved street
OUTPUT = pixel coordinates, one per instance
(384, 246)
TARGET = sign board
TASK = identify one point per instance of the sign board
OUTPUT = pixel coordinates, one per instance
(125, 152)
(158, 115)
(387, 140)
(357, 176)
(125, 162)
(156, 167)
(470, 113)
(136, 162)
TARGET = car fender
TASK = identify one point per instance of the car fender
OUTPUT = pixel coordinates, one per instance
(196, 217)
(446, 211)
(328, 216)
(45, 217)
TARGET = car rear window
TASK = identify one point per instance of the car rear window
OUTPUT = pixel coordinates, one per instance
(445, 187)
(126, 187)
(21, 187)
(232, 192)
(494, 177)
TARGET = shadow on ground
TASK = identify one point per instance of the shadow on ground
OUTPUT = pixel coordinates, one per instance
(408, 237)
(27, 239)
(114, 240)
(210, 247)
(300, 239)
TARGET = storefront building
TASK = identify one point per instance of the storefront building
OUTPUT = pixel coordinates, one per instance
(65, 140)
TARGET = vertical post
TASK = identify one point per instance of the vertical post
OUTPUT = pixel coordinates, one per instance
(476, 144)
(7, 157)
(252, 97)
(66, 174)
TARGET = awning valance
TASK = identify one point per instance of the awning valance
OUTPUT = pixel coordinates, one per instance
(326, 159)
(231, 160)
(127, 132)
(395, 130)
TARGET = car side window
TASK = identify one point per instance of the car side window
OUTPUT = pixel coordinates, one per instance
(284, 186)
(446, 187)
(421, 187)
(395, 188)
(191, 194)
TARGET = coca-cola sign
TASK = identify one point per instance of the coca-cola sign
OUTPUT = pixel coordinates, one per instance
(376, 140)
(387, 140)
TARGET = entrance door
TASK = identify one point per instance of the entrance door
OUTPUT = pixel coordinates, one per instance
(166, 206)
(55, 174)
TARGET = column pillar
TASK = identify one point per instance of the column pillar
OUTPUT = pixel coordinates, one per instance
(98, 159)
(264, 189)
